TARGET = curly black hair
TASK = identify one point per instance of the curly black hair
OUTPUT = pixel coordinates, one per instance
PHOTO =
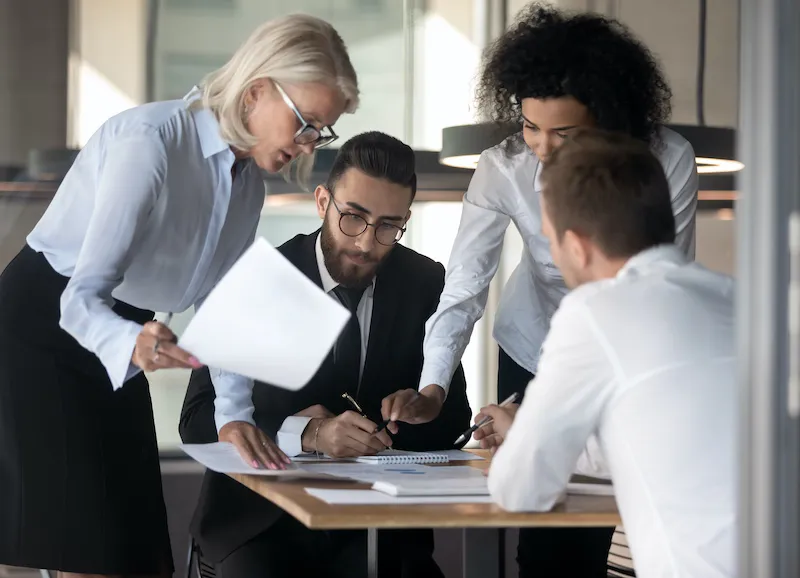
(548, 53)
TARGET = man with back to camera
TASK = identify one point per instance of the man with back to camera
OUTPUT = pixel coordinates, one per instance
(391, 291)
(639, 363)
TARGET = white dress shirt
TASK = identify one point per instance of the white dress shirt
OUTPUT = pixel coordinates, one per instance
(149, 214)
(291, 433)
(505, 188)
(644, 362)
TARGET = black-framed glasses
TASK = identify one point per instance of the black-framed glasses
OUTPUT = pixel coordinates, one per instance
(307, 133)
(354, 225)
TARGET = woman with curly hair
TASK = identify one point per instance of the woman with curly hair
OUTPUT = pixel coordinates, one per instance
(552, 72)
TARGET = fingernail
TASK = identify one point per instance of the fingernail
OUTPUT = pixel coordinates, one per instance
(255, 464)
(271, 466)
(194, 362)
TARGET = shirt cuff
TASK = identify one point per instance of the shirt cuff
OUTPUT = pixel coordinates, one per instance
(234, 398)
(592, 461)
(290, 436)
(436, 372)
(118, 362)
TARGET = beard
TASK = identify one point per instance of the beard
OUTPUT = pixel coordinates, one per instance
(344, 271)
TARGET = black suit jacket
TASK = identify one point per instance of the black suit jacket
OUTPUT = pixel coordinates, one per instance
(407, 290)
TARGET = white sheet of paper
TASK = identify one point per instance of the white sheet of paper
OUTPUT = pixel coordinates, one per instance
(265, 320)
(459, 455)
(590, 489)
(371, 497)
(461, 480)
(224, 458)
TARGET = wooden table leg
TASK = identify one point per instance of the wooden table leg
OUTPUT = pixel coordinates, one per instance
(372, 553)
(482, 553)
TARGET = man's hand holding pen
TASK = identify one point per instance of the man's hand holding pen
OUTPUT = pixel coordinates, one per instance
(492, 434)
(345, 436)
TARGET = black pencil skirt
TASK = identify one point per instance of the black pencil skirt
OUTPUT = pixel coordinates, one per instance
(80, 484)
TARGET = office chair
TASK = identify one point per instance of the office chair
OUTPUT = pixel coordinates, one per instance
(201, 568)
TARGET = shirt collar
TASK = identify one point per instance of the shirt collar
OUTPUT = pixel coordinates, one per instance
(328, 283)
(659, 255)
(537, 175)
(207, 124)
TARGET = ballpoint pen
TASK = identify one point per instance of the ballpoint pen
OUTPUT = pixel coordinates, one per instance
(467, 434)
(354, 403)
(357, 407)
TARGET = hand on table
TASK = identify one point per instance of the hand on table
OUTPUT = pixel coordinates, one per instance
(492, 434)
(255, 447)
(156, 348)
(345, 436)
(412, 406)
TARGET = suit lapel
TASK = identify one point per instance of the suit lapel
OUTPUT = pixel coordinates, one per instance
(306, 259)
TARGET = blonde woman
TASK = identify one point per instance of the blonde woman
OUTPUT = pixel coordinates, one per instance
(158, 205)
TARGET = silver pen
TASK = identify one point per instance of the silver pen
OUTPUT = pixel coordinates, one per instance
(468, 434)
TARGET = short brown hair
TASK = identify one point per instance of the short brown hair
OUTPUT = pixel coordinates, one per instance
(610, 188)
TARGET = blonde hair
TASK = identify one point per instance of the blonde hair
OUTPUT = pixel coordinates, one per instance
(293, 49)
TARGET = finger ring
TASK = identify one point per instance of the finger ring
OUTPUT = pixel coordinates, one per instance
(264, 443)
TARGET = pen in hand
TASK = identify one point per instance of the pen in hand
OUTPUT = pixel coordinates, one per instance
(357, 407)
(467, 434)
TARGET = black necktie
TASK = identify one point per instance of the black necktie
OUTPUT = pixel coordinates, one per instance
(347, 355)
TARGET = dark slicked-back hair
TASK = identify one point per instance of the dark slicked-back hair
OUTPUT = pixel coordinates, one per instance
(378, 155)
(610, 188)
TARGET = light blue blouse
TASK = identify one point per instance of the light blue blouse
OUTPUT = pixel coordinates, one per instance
(150, 215)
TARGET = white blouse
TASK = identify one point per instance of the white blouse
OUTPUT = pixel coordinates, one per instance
(505, 188)
(150, 215)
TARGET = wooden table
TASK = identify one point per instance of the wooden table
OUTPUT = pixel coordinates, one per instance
(481, 523)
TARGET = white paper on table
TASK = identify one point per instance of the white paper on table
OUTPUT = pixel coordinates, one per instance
(459, 455)
(440, 477)
(224, 458)
(265, 320)
(371, 497)
(589, 489)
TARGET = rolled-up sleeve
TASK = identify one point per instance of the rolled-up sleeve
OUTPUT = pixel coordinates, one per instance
(132, 176)
(473, 263)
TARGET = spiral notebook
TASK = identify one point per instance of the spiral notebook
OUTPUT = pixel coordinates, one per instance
(390, 457)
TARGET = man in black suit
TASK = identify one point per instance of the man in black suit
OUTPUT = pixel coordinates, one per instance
(391, 291)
